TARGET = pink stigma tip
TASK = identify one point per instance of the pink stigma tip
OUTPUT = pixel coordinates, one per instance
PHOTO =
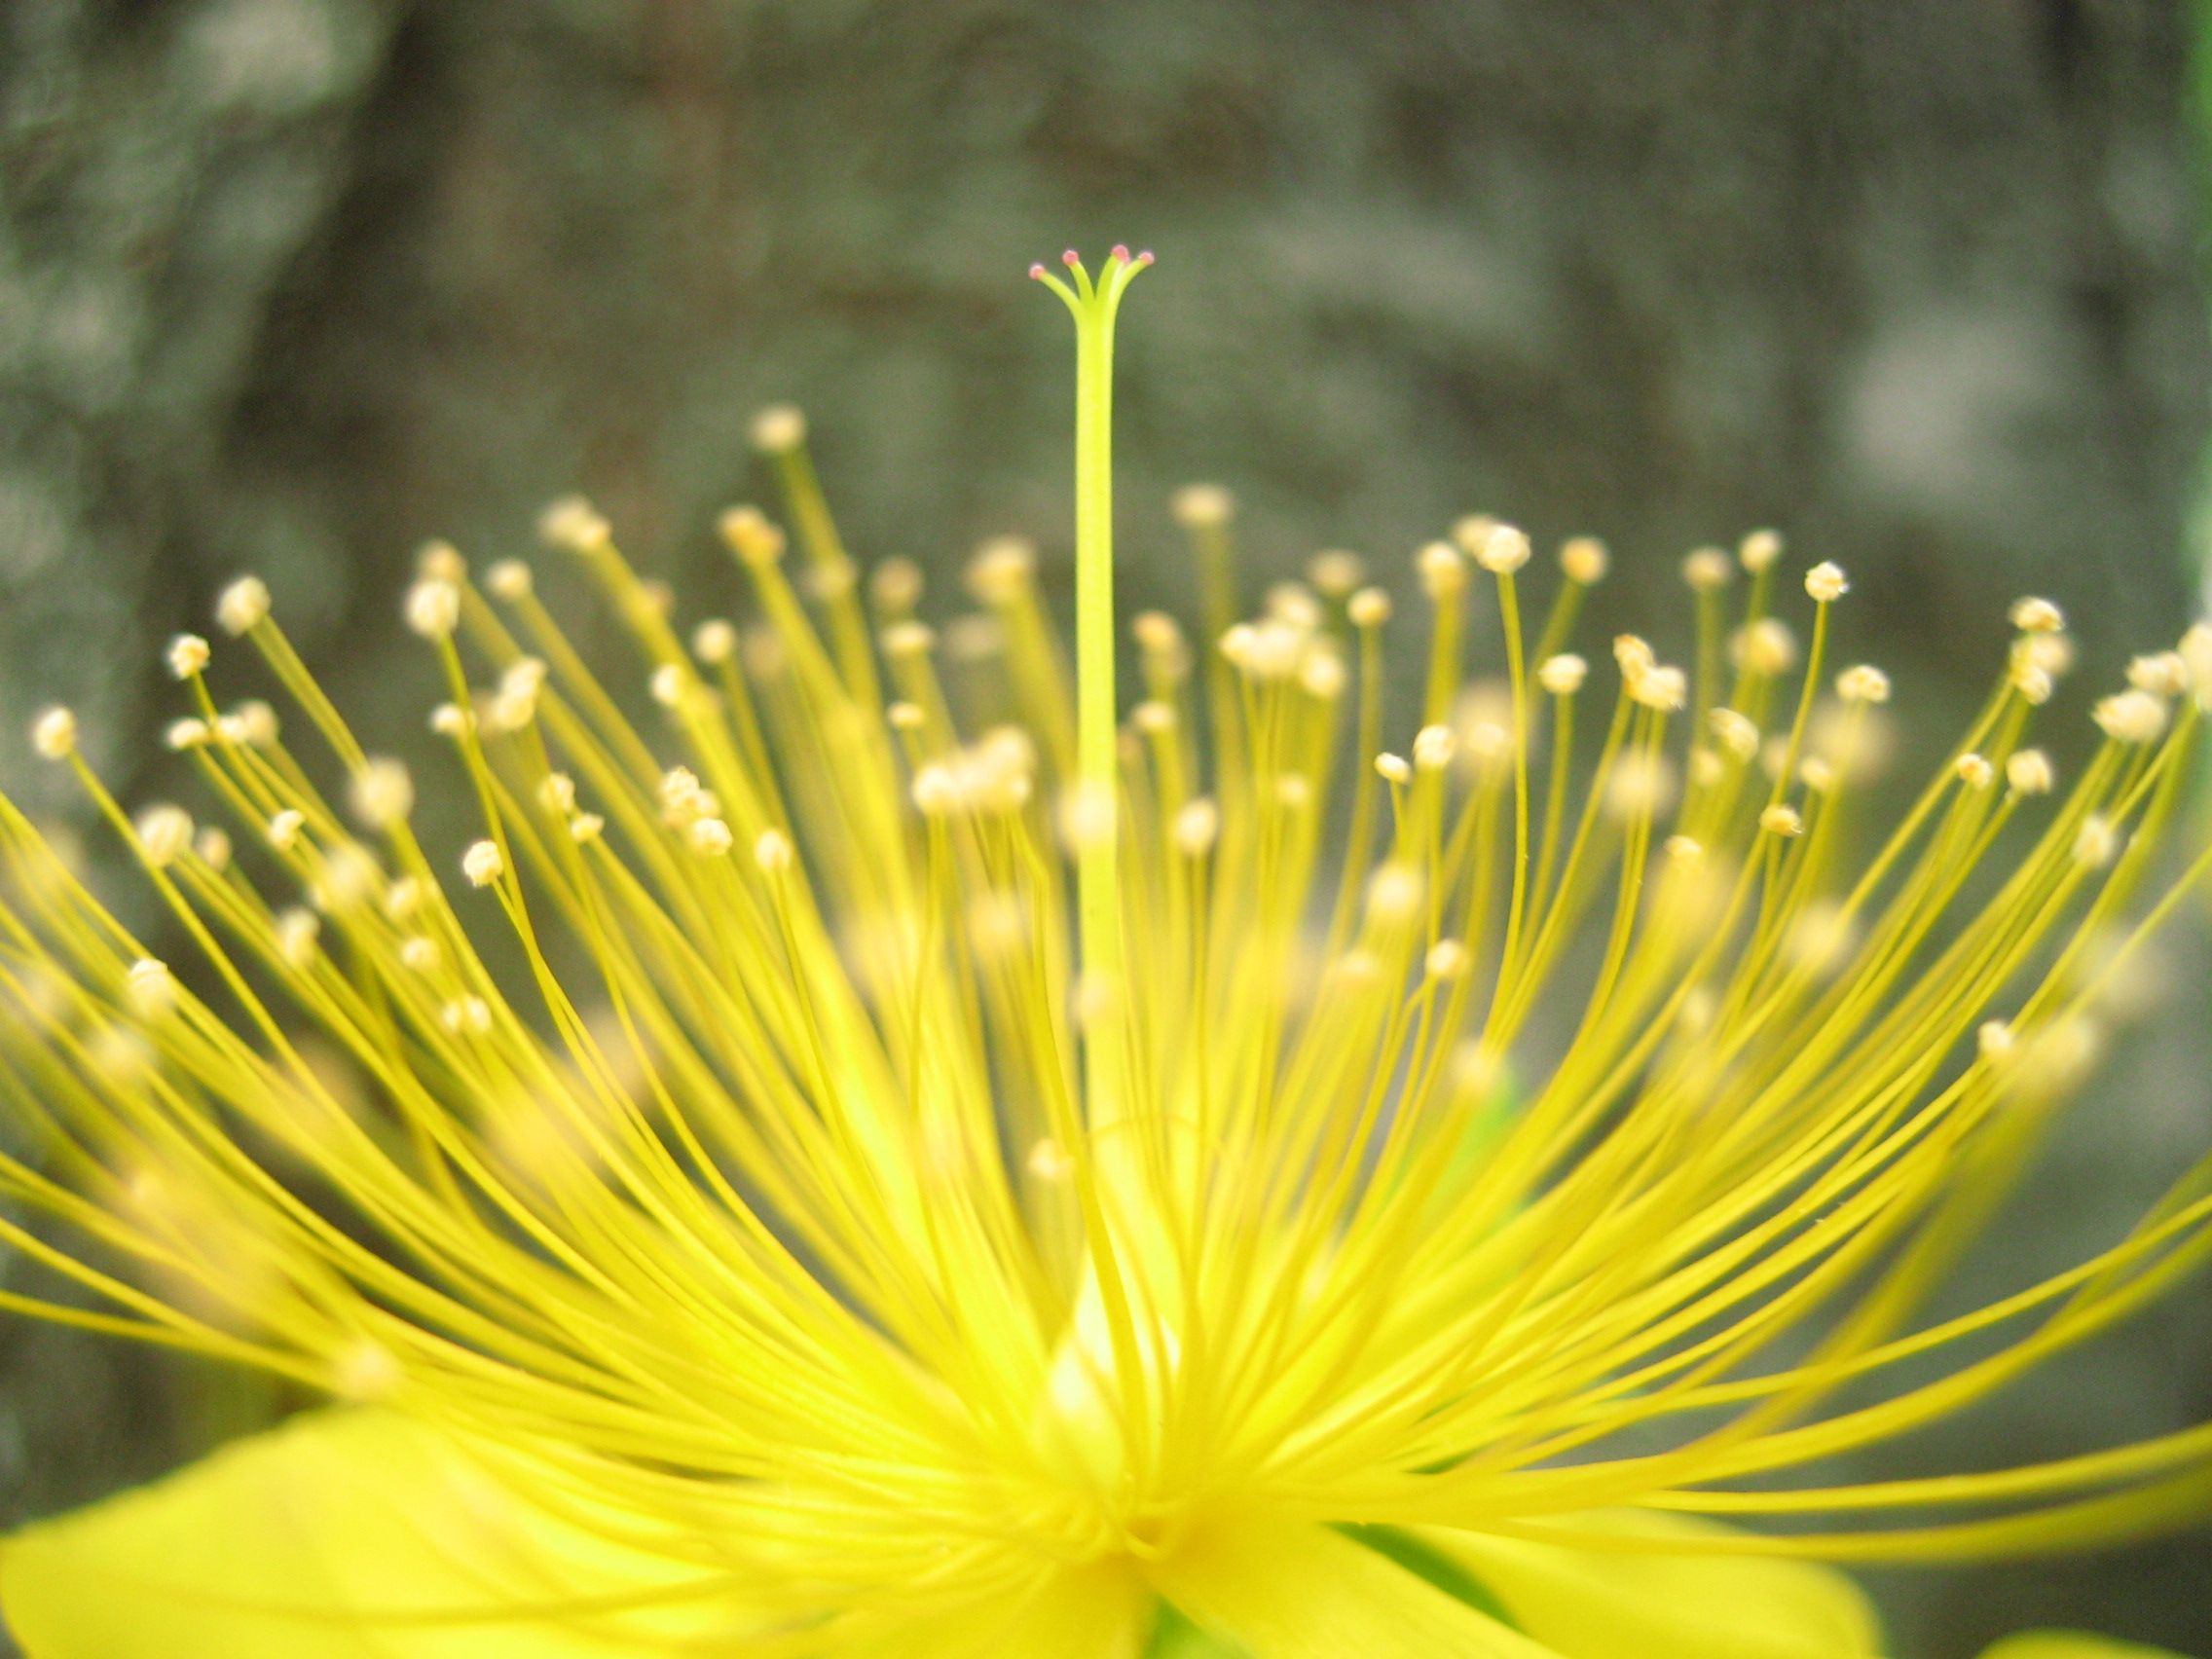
(1038, 272)
(1122, 252)
(1145, 258)
(1070, 259)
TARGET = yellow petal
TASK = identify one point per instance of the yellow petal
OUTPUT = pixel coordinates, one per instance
(2070, 1644)
(1100, 1611)
(1307, 1593)
(1598, 1604)
(301, 1543)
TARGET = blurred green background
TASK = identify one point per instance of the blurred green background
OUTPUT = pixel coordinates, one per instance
(291, 284)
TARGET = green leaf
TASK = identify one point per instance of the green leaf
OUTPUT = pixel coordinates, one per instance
(1439, 1569)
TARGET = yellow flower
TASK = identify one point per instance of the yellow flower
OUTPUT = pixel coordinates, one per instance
(894, 1155)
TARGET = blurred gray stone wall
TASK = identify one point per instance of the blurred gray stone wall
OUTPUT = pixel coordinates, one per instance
(291, 284)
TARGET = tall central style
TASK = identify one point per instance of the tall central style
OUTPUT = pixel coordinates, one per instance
(1095, 817)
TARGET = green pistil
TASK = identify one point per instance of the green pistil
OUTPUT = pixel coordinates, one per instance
(1098, 874)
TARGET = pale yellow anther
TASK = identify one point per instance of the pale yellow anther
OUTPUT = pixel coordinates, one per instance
(1203, 506)
(2196, 652)
(54, 733)
(772, 852)
(1818, 774)
(1706, 568)
(212, 847)
(586, 828)
(164, 832)
(188, 733)
(936, 791)
(285, 828)
(1236, 643)
(403, 898)
(1660, 687)
(441, 561)
(1639, 785)
(1197, 825)
(381, 793)
(1336, 572)
(2131, 717)
(714, 641)
(297, 933)
(1393, 768)
(1050, 1163)
(2033, 615)
(1994, 1039)
(186, 655)
(557, 793)
(1153, 718)
(1766, 648)
(574, 524)
(1433, 748)
(1356, 968)
(1864, 684)
(745, 532)
(433, 607)
(1001, 571)
(2033, 683)
(1563, 675)
(1472, 532)
(2095, 842)
(364, 1373)
(471, 1016)
(1475, 1067)
(1368, 608)
(418, 953)
(909, 640)
(1294, 604)
(1779, 820)
(151, 988)
(1504, 550)
(242, 605)
(905, 717)
(1271, 649)
(1584, 561)
(1442, 570)
(509, 580)
(895, 585)
(1086, 817)
(1735, 732)
(778, 428)
(1394, 893)
(482, 863)
(1485, 742)
(1447, 960)
(1705, 768)
(1973, 771)
(1321, 672)
(1682, 849)
(1294, 790)
(2163, 675)
(666, 686)
(2053, 653)
(1759, 550)
(2029, 772)
(829, 582)
(451, 719)
(1156, 632)
(682, 794)
(1825, 583)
